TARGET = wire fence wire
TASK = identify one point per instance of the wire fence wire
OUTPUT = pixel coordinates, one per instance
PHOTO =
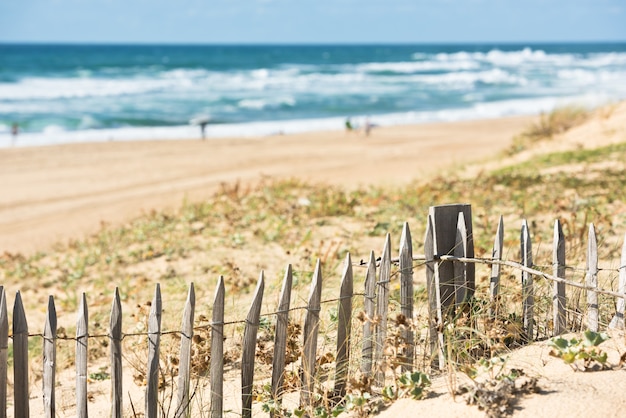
(421, 261)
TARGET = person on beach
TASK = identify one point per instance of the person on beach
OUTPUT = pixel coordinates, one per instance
(349, 127)
(15, 130)
(203, 125)
(367, 127)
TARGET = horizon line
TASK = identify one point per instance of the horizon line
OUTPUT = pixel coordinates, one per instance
(399, 43)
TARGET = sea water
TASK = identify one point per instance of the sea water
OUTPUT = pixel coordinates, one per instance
(79, 93)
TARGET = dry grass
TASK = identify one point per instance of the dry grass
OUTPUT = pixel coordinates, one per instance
(549, 125)
(240, 232)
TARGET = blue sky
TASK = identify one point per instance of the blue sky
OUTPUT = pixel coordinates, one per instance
(311, 21)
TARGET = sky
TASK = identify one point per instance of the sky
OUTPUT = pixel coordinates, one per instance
(311, 21)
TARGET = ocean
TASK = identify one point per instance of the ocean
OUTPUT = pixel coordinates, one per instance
(81, 93)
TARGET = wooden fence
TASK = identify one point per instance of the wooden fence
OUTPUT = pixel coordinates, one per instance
(450, 275)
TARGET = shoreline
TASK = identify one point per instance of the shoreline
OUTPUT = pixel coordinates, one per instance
(64, 192)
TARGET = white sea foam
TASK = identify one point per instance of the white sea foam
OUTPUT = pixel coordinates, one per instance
(416, 67)
(260, 104)
(55, 135)
(469, 78)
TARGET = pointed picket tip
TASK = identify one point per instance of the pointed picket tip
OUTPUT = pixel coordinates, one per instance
(288, 275)
(526, 244)
(219, 289)
(82, 320)
(592, 249)
(405, 239)
(347, 269)
(501, 224)
(285, 291)
(191, 295)
(255, 306)
(387, 248)
(157, 302)
(4, 317)
(592, 229)
(498, 241)
(525, 230)
(558, 229)
(370, 283)
(50, 328)
(316, 283)
(116, 315)
(372, 260)
(260, 285)
(347, 278)
(593, 240)
(429, 240)
(20, 325)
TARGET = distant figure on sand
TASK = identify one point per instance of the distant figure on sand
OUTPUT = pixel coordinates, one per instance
(349, 127)
(201, 121)
(15, 130)
(368, 126)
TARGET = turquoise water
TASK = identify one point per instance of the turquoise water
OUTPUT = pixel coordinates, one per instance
(74, 93)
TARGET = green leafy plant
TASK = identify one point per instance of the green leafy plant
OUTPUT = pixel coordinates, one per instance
(582, 354)
(408, 384)
(499, 391)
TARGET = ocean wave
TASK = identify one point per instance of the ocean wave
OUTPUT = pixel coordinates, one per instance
(261, 104)
(54, 134)
(68, 88)
(494, 76)
(410, 67)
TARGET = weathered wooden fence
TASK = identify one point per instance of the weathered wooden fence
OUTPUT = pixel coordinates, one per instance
(450, 278)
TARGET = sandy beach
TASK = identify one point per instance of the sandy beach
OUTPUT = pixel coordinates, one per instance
(54, 193)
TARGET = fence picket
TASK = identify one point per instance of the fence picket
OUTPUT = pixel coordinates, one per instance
(496, 269)
(528, 298)
(406, 293)
(461, 284)
(369, 305)
(558, 294)
(184, 365)
(4, 351)
(49, 359)
(82, 341)
(280, 337)
(382, 308)
(618, 319)
(20, 359)
(435, 315)
(311, 328)
(344, 328)
(115, 338)
(249, 348)
(154, 342)
(217, 351)
(592, 279)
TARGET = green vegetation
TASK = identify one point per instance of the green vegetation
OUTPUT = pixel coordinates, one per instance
(582, 354)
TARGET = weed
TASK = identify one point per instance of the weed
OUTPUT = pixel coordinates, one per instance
(583, 354)
(498, 393)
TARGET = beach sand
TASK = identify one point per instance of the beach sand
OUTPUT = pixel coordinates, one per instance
(56, 193)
